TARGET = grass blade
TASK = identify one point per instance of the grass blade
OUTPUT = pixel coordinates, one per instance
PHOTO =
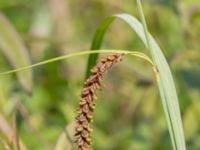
(65, 139)
(15, 137)
(96, 43)
(164, 77)
(165, 83)
(167, 89)
(7, 132)
(15, 51)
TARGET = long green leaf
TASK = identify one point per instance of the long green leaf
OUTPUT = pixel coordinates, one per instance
(96, 43)
(164, 77)
(15, 51)
(158, 58)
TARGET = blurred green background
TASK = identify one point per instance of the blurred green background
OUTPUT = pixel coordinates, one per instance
(130, 115)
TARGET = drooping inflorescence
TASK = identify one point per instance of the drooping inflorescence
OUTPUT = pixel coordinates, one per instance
(86, 107)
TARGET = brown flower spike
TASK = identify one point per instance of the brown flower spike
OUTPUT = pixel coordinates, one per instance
(86, 105)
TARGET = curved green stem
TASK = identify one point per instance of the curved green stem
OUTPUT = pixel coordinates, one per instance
(133, 53)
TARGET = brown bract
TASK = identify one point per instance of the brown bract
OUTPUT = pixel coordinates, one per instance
(86, 107)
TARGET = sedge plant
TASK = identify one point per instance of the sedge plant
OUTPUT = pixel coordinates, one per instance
(94, 75)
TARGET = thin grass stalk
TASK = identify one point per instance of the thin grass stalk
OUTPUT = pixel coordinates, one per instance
(59, 58)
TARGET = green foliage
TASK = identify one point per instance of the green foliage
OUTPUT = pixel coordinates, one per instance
(130, 115)
(15, 51)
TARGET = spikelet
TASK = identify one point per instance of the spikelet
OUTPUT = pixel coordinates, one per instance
(86, 107)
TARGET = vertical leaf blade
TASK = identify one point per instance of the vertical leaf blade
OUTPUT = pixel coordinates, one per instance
(15, 51)
(64, 141)
(165, 81)
(96, 43)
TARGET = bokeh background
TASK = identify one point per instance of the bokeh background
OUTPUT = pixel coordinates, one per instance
(129, 113)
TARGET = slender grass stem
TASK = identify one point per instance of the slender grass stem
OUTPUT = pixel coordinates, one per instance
(132, 53)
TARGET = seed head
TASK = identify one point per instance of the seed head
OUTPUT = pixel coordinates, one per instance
(86, 107)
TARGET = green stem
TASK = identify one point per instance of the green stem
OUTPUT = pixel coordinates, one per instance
(144, 24)
(133, 53)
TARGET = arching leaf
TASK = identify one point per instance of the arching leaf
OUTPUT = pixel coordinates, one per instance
(15, 51)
